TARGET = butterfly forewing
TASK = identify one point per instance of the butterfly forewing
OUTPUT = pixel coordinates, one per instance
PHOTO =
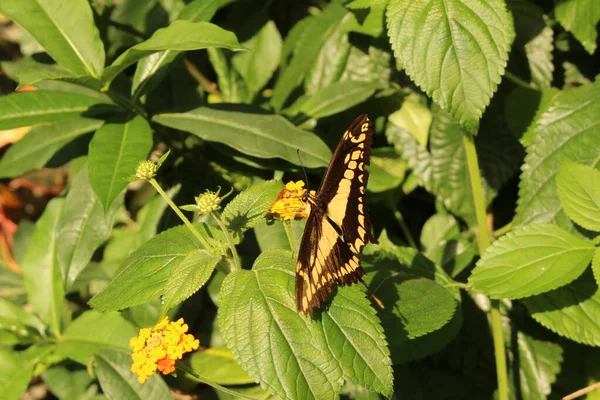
(325, 258)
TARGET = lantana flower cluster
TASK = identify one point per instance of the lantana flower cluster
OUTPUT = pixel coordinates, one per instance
(159, 347)
(289, 204)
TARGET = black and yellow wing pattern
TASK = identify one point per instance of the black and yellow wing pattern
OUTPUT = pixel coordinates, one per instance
(338, 226)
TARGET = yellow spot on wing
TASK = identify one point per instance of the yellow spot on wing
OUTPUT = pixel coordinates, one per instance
(352, 165)
(349, 174)
(364, 127)
(359, 138)
(356, 154)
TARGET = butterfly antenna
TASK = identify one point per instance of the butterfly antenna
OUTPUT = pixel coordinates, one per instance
(303, 169)
(375, 299)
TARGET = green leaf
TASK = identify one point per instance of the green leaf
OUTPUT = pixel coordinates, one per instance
(249, 208)
(566, 129)
(229, 80)
(572, 311)
(218, 365)
(437, 230)
(415, 118)
(580, 17)
(83, 228)
(152, 69)
(274, 237)
(335, 98)
(179, 36)
(387, 170)
(41, 143)
(30, 108)
(115, 152)
(254, 133)
(345, 342)
(67, 31)
(27, 71)
(372, 23)
(145, 273)
(257, 65)
(455, 50)
(596, 265)
(41, 272)
(118, 382)
(578, 187)
(531, 260)
(307, 43)
(16, 369)
(524, 108)
(93, 332)
(188, 276)
(66, 382)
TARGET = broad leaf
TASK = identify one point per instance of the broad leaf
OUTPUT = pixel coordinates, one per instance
(16, 369)
(180, 36)
(580, 17)
(274, 237)
(570, 123)
(41, 143)
(387, 170)
(66, 30)
(218, 365)
(230, 82)
(579, 191)
(249, 208)
(118, 382)
(144, 274)
(19, 320)
(30, 108)
(437, 230)
(531, 260)
(345, 342)
(254, 133)
(572, 311)
(115, 152)
(188, 276)
(83, 228)
(27, 71)
(596, 265)
(41, 272)
(415, 118)
(66, 382)
(94, 332)
(456, 50)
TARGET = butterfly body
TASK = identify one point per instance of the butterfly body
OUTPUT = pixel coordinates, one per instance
(338, 226)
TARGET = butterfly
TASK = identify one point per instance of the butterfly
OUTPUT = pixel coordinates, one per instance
(338, 226)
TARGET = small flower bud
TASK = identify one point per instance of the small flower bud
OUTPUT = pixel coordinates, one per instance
(146, 170)
(208, 202)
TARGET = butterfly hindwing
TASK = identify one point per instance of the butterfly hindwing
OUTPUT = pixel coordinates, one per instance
(327, 258)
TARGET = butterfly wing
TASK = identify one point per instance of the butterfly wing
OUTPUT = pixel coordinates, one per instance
(338, 208)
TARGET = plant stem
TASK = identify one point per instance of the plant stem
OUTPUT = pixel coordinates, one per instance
(483, 241)
(184, 368)
(515, 79)
(236, 259)
(287, 226)
(180, 214)
(126, 103)
(207, 85)
(405, 230)
(503, 230)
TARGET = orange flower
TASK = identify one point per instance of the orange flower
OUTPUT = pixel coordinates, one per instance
(289, 204)
(158, 348)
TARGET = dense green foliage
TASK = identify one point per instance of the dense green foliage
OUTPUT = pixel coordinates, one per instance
(484, 193)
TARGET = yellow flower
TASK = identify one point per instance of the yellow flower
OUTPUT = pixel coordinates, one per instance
(159, 347)
(289, 204)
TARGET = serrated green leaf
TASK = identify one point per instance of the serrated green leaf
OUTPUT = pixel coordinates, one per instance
(417, 157)
(118, 382)
(437, 229)
(596, 265)
(30, 108)
(568, 129)
(579, 17)
(346, 342)
(387, 170)
(41, 143)
(66, 30)
(188, 276)
(257, 65)
(578, 187)
(572, 311)
(115, 152)
(254, 133)
(218, 365)
(573, 76)
(455, 50)
(415, 118)
(16, 369)
(144, 274)
(538, 108)
(372, 23)
(94, 332)
(180, 36)
(83, 228)
(531, 260)
(152, 69)
(41, 272)
(248, 208)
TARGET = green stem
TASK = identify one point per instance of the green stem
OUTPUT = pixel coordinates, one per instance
(287, 226)
(483, 240)
(515, 79)
(405, 230)
(236, 259)
(502, 230)
(184, 368)
(126, 102)
(180, 214)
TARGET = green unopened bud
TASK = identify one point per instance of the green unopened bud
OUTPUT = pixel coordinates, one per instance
(146, 170)
(208, 202)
